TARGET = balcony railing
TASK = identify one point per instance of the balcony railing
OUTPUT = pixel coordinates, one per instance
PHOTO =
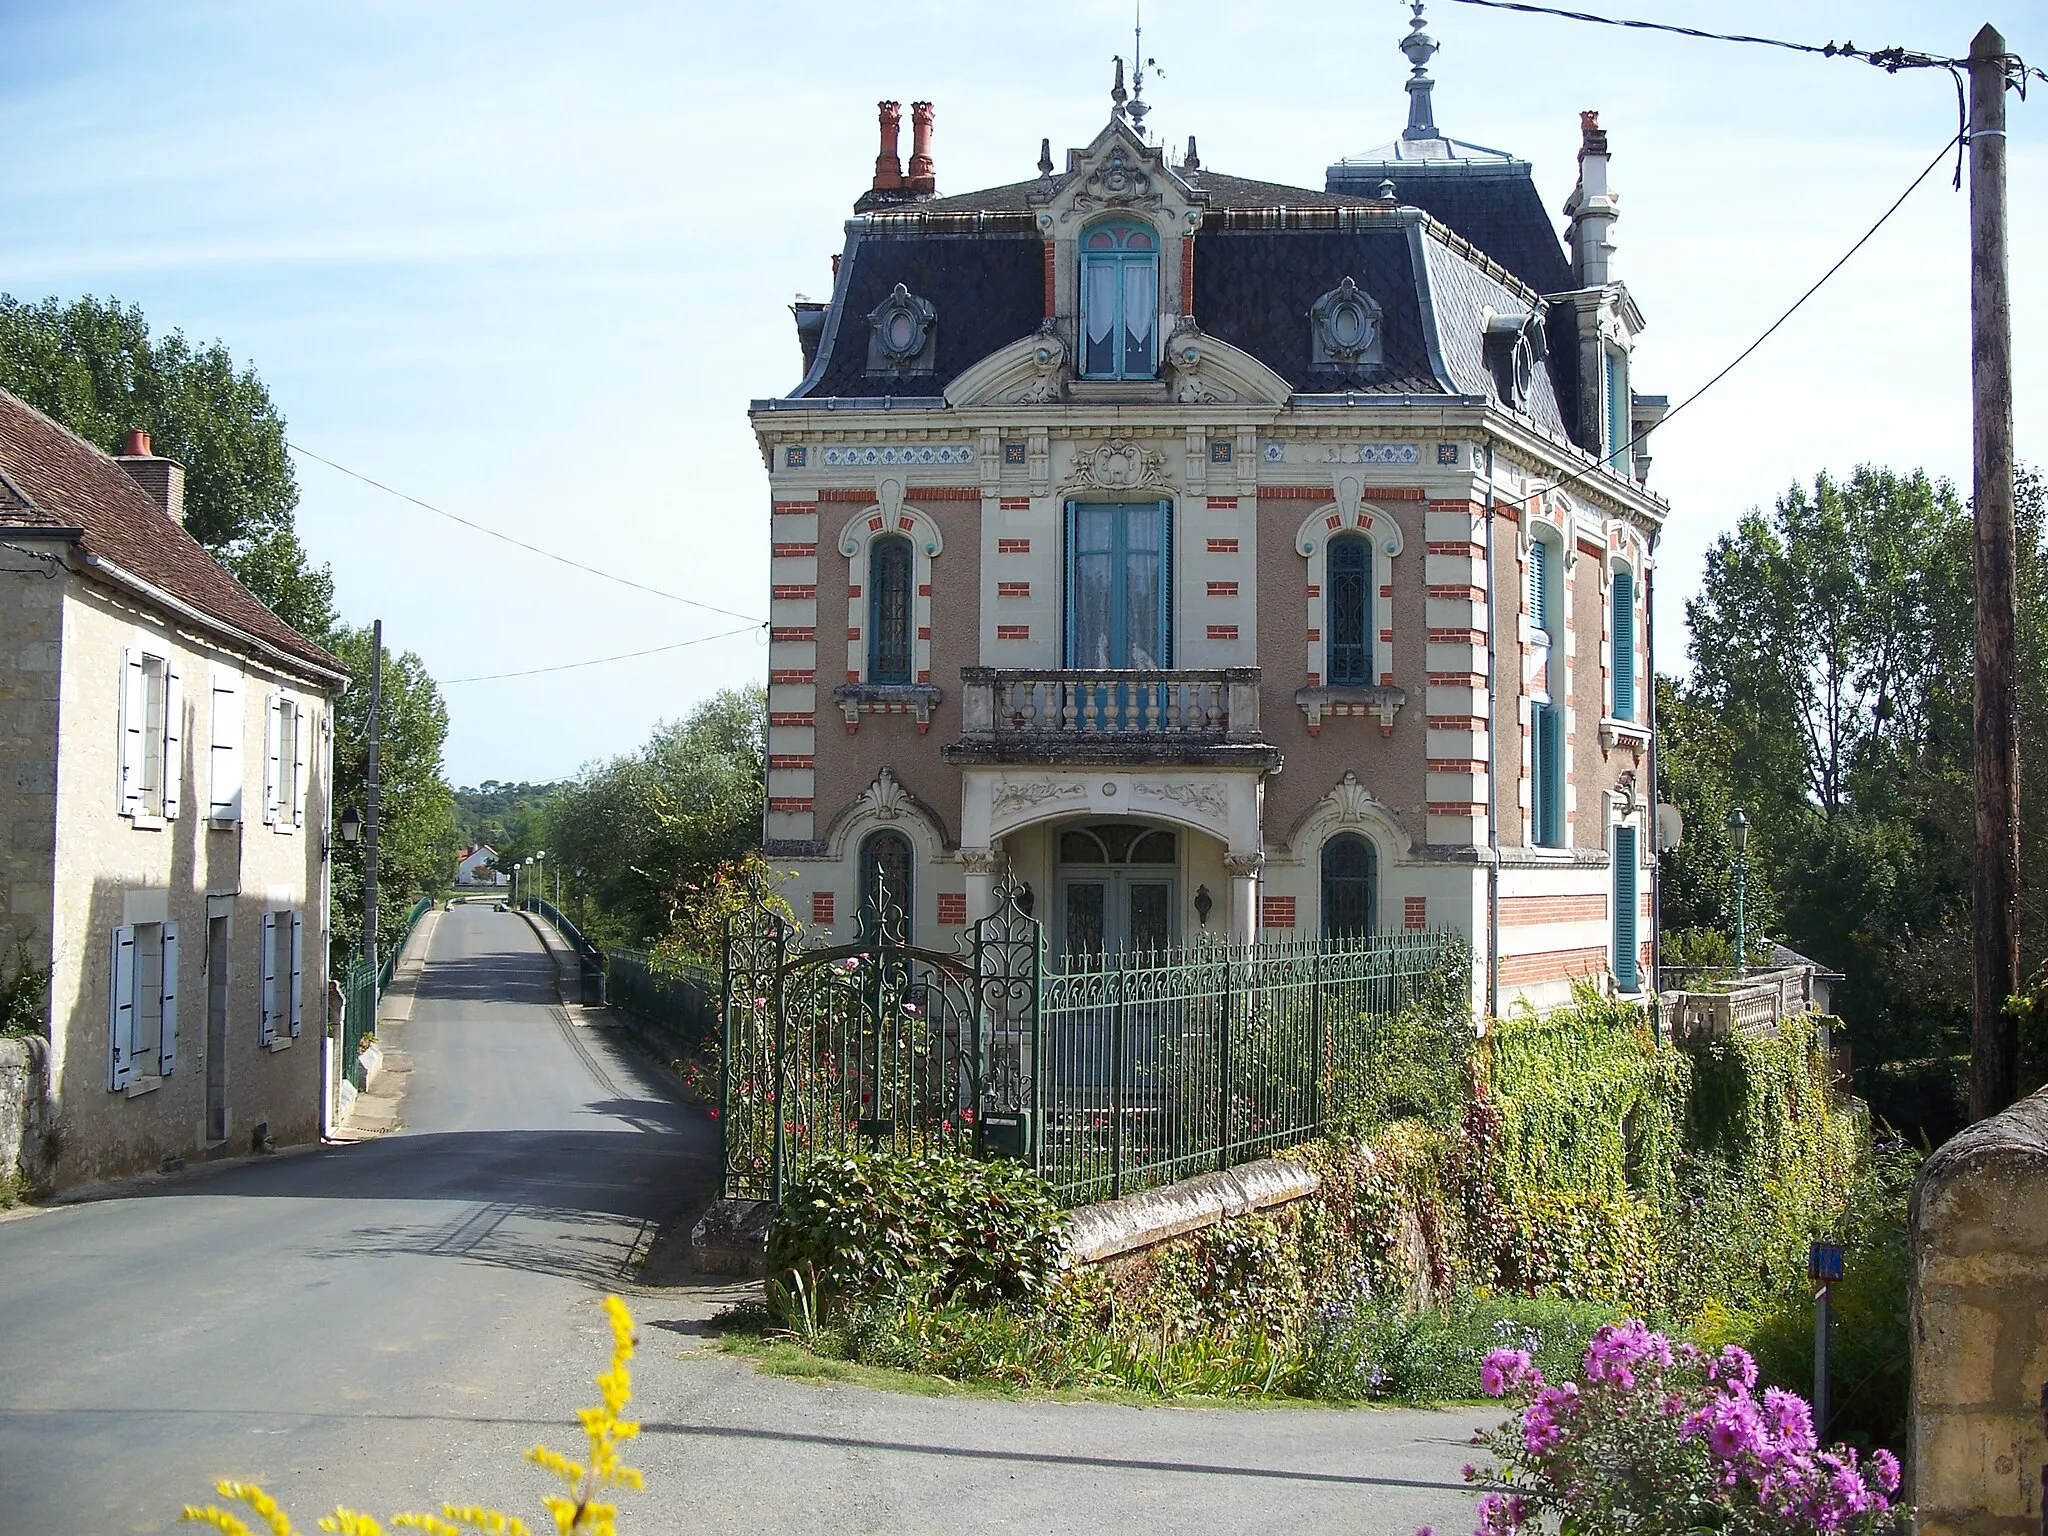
(1193, 706)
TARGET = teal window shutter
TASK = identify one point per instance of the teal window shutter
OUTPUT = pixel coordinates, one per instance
(1547, 775)
(1626, 904)
(1539, 585)
(1624, 645)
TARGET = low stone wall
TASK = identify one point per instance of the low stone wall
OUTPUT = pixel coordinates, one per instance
(24, 1088)
(1980, 1327)
(732, 1237)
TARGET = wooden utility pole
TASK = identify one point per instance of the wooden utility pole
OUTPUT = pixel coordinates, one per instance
(1994, 918)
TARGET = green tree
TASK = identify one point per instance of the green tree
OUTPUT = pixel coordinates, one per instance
(1831, 696)
(636, 836)
(416, 825)
(95, 367)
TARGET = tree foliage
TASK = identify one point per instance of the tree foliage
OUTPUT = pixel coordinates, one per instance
(637, 835)
(416, 825)
(94, 366)
(1831, 697)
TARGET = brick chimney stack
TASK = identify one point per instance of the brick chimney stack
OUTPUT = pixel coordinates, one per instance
(161, 479)
(888, 166)
(922, 179)
(1592, 208)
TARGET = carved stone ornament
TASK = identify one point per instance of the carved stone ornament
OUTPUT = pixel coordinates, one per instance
(1123, 465)
(900, 333)
(1185, 353)
(1047, 381)
(885, 799)
(1117, 183)
(1243, 865)
(981, 861)
(1203, 800)
(1349, 800)
(1011, 795)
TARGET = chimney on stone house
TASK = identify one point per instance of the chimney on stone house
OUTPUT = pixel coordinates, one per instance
(161, 479)
(922, 180)
(888, 164)
(1592, 209)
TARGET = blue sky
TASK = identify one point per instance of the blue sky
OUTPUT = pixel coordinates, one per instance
(529, 263)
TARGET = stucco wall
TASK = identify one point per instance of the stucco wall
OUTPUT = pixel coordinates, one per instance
(111, 870)
(1980, 1327)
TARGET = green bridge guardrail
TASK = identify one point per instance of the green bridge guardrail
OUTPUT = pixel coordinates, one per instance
(362, 984)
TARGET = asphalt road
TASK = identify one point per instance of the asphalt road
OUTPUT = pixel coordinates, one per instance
(390, 1324)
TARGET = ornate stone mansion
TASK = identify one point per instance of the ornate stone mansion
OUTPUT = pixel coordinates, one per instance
(1223, 558)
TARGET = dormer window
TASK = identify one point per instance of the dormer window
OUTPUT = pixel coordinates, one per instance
(902, 335)
(1344, 329)
(1514, 350)
(1119, 301)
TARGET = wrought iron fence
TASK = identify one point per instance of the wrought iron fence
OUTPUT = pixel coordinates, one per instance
(683, 1004)
(1160, 1066)
(1109, 1074)
(358, 1015)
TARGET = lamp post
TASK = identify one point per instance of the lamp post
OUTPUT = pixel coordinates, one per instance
(540, 858)
(529, 876)
(1738, 839)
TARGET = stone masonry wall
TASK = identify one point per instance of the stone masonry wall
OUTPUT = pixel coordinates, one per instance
(1980, 1327)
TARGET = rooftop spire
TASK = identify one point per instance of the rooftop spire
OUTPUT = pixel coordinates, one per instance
(1419, 46)
(1139, 106)
(1117, 94)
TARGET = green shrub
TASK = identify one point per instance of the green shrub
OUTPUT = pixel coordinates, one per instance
(865, 1226)
(1356, 1351)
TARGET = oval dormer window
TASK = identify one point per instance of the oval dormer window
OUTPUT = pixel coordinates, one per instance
(902, 332)
(1350, 326)
(1344, 329)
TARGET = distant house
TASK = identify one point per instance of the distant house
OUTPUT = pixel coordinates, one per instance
(166, 751)
(475, 866)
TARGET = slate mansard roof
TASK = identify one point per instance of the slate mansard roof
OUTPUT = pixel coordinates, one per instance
(53, 481)
(1264, 254)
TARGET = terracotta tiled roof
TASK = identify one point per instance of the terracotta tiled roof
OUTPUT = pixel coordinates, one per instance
(52, 478)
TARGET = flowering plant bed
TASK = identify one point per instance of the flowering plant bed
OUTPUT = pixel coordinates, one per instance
(1663, 1439)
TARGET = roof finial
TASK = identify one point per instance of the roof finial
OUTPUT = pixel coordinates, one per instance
(1419, 46)
(1194, 159)
(1117, 94)
(1045, 159)
(1139, 63)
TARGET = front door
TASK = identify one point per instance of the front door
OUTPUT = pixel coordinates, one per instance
(217, 1029)
(1117, 888)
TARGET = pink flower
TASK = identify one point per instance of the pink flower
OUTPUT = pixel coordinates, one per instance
(1503, 1368)
(1884, 1466)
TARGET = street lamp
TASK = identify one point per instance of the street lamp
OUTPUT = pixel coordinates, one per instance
(541, 858)
(1738, 839)
(351, 825)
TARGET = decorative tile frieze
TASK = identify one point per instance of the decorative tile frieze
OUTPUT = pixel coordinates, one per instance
(893, 453)
(1279, 451)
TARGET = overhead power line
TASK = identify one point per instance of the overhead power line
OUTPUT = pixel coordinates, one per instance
(1624, 452)
(599, 661)
(545, 554)
(1890, 59)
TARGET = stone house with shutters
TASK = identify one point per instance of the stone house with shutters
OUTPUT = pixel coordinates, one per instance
(1223, 558)
(164, 803)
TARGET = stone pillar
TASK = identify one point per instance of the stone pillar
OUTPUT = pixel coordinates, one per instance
(982, 865)
(1244, 894)
(1979, 1231)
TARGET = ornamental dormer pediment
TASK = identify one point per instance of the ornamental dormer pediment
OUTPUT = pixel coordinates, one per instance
(1118, 173)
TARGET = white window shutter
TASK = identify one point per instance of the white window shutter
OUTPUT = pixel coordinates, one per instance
(302, 765)
(174, 744)
(167, 1048)
(120, 1007)
(129, 792)
(273, 745)
(225, 792)
(298, 972)
(266, 1024)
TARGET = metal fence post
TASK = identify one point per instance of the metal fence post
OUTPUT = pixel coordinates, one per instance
(731, 1057)
(1226, 1016)
(778, 1069)
(1116, 1092)
(1319, 1042)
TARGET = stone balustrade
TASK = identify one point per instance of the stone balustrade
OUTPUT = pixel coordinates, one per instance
(1191, 705)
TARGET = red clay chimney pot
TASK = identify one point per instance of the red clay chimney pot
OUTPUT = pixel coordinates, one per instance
(138, 443)
(921, 177)
(888, 164)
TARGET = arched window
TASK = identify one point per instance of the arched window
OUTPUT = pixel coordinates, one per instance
(1351, 887)
(1348, 607)
(885, 861)
(889, 629)
(1119, 301)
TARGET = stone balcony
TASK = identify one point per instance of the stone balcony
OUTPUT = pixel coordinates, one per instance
(1094, 715)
